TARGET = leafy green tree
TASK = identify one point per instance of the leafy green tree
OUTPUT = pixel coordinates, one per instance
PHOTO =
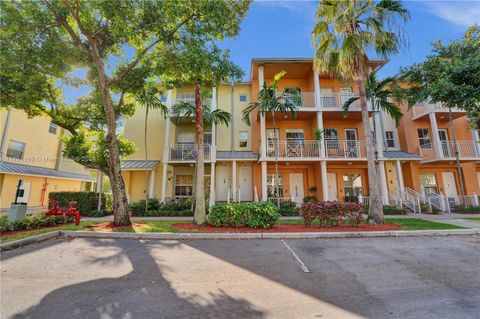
(149, 99)
(344, 31)
(201, 63)
(269, 100)
(118, 42)
(451, 76)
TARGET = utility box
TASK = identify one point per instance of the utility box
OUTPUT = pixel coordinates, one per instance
(17, 211)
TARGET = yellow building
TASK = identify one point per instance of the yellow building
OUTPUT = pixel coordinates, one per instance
(31, 151)
(416, 160)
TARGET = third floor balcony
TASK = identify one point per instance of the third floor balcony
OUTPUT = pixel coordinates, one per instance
(333, 101)
(422, 110)
(311, 149)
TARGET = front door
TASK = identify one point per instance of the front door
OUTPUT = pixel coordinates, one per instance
(449, 184)
(26, 193)
(332, 186)
(296, 187)
(351, 142)
(245, 183)
(223, 182)
(442, 133)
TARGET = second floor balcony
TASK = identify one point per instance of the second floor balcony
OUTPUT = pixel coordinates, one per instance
(328, 101)
(311, 150)
(423, 109)
(467, 150)
(188, 153)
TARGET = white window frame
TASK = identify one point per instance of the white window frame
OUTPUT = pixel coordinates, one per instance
(423, 138)
(243, 134)
(52, 128)
(24, 146)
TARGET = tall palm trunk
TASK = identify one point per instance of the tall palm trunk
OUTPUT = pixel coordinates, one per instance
(199, 217)
(275, 138)
(375, 212)
(146, 161)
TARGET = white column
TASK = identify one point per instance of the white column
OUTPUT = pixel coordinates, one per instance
(320, 127)
(436, 136)
(214, 127)
(316, 84)
(323, 172)
(234, 181)
(152, 184)
(264, 182)
(263, 140)
(166, 148)
(99, 189)
(399, 173)
(476, 140)
(383, 182)
(378, 134)
(211, 200)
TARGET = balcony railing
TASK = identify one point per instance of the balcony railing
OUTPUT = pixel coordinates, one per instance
(301, 149)
(345, 149)
(466, 150)
(188, 152)
(307, 99)
(333, 101)
(426, 107)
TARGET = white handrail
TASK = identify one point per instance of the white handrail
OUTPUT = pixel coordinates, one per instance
(188, 152)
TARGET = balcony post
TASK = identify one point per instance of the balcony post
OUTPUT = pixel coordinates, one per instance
(383, 182)
(316, 83)
(476, 141)
(151, 192)
(264, 182)
(213, 148)
(399, 173)
(166, 150)
(211, 200)
(320, 127)
(378, 134)
(234, 181)
(323, 172)
(436, 137)
(263, 140)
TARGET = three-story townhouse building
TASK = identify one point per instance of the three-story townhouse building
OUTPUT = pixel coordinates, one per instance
(240, 159)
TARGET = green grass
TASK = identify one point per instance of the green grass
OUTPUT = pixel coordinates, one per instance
(473, 218)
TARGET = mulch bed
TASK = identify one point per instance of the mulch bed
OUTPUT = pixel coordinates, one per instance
(109, 226)
(285, 228)
(13, 232)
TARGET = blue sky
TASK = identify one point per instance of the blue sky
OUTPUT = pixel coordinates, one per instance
(283, 29)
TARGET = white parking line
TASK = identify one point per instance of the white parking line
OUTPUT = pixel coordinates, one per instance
(297, 259)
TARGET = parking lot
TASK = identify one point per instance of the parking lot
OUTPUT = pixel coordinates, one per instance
(434, 277)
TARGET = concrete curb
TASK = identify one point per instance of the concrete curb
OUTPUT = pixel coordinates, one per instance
(186, 236)
(30, 240)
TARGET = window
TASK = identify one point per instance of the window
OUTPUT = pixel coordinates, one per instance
(390, 138)
(330, 134)
(52, 128)
(424, 138)
(271, 186)
(243, 98)
(15, 149)
(185, 138)
(243, 138)
(352, 184)
(429, 182)
(183, 185)
(272, 135)
(163, 98)
(295, 136)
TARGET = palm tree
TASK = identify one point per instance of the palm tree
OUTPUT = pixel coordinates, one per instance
(183, 110)
(149, 98)
(268, 100)
(344, 31)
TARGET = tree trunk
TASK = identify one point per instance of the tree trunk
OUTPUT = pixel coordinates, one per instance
(199, 217)
(375, 212)
(146, 160)
(120, 204)
(277, 186)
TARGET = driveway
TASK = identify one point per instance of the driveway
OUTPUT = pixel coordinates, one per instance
(327, 278)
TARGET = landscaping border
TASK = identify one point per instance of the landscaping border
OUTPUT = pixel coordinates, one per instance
(263, 235)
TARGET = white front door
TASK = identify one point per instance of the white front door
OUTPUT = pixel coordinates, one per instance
(449, 184)
(332, 186)
(245, 188)
(223, 183)
(447, 152)
(296, 187)
(26, 193)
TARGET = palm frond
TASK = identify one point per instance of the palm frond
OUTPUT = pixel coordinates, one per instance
(348, 103)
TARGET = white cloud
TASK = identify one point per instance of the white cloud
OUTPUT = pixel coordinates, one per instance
(461, 13)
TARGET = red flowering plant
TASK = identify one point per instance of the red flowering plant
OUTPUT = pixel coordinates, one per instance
(332, 213)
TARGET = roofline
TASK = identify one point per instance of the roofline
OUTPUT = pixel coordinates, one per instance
(86, 179)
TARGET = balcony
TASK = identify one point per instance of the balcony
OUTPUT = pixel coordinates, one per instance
(307, 100)
(467, 150)
(188, 153)
(421, 110)
(328, 101)
(310, 150)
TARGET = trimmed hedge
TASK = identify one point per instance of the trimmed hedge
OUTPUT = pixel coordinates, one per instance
(29, 222)
(156, 208)
(289, 209)
(255, 215)
(392, 210)
(87, 202)
(332, 213)
(468, 209)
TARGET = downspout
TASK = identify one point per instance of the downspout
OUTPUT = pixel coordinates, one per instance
(4, 136)
(44, 190)
(232, 110)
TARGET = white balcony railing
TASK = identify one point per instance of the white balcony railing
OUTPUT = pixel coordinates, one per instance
(337, 100)
(423, 108)
(307, 100)
(466, 150)
(345, 149)
(188, 152)
(301, 149)
(189, 97)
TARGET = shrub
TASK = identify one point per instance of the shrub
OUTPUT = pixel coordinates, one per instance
(392, 210)
(87, 202)
(3, 223)
(468, 209)
(310, 199)
(30, 222)
(332, 213)
(289, 209)
(181, 207)
(255, 215)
